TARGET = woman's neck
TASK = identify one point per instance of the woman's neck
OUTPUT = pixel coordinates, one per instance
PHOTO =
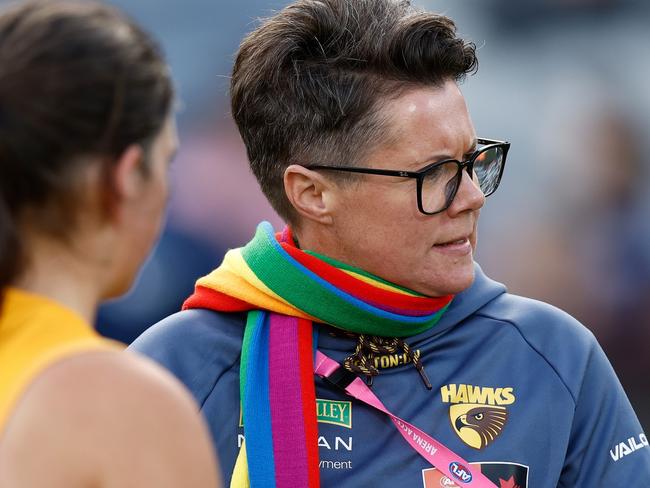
(62, 273)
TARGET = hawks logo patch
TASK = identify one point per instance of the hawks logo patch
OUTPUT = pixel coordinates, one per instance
(477, 414)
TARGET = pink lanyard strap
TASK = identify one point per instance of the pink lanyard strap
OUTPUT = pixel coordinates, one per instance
(445, 460)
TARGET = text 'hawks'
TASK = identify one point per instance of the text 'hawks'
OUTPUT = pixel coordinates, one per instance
(485, 395)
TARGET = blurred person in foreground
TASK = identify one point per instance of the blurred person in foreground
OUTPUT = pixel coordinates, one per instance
(361, 140)
(86, 136)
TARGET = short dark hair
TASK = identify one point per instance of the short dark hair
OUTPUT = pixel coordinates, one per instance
(77, 79)
(308, 82)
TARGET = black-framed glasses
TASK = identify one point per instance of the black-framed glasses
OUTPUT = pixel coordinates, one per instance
(437, 183)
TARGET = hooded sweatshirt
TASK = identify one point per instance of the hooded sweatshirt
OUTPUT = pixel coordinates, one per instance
(519, 387)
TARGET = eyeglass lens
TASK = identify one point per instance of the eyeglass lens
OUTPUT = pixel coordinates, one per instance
(487, 167)
(439, 185)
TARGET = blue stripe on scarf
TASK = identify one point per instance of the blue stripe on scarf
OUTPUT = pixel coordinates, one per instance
(256, 406)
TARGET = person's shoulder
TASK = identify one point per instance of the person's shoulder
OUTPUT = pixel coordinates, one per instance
(102, 383)
(194, 326)
(106, 380)
(560, 339)
(123, 403)
(536, 319)
(195, 345)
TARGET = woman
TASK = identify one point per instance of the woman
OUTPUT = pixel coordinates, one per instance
(86, 136)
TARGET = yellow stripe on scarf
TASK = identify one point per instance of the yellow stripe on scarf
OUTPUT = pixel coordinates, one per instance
(240, 472)
(236, 279)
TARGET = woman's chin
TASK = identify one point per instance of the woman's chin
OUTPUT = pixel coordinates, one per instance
(450, 284)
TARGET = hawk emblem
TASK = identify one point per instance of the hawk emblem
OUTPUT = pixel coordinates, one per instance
(477, 425)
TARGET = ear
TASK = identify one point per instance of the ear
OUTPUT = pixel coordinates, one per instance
(123, 182)
(127, 173)
(309, 193)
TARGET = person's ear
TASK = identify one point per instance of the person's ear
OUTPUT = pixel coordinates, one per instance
(309, 193)
(125, 177)
(127, 172)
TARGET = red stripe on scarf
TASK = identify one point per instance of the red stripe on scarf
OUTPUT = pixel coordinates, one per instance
(306, 355)
(362, 290)
(204, 297)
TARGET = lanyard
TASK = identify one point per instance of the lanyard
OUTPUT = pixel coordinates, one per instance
(436, 453)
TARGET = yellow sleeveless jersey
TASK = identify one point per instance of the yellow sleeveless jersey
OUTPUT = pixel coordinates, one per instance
(35, 332)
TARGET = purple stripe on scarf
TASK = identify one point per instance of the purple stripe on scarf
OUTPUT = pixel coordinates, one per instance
(289, 440)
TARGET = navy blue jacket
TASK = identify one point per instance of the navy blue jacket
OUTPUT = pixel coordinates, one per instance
(519, 386)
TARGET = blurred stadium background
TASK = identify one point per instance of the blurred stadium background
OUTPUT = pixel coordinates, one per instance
(565, 81)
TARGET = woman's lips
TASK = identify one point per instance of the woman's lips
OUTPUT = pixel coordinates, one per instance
(458, 247)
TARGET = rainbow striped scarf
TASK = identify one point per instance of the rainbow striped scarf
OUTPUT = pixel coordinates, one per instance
(285, 289)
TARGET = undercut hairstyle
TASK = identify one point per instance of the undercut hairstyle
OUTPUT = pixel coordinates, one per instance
(308, 84)
(79, 83)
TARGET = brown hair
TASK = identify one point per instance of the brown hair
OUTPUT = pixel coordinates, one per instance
(77, 79)
(307, 84)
